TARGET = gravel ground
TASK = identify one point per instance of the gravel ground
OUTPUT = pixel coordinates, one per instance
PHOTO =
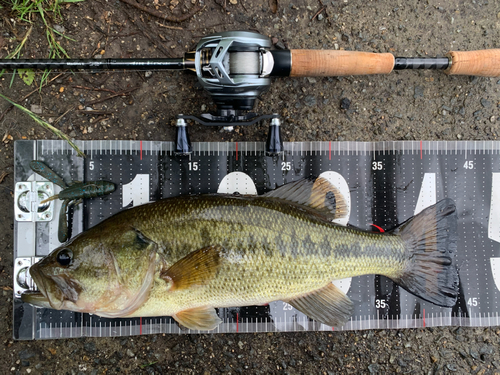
(407, 105)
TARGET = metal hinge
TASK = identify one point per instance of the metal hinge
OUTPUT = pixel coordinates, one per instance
(22, 278)
(28, 195)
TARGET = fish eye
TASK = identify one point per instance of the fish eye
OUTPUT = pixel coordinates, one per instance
(64, 257)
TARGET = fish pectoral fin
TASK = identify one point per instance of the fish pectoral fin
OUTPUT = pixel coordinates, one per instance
(328, 305)
(198, 318)
(320, 195)
(195, 269)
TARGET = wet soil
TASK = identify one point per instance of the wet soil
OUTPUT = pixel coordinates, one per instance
(405, 105)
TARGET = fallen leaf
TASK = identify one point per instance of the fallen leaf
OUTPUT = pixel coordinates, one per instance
(52, 351)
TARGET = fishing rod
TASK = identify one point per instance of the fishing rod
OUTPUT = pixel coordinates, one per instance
(236, 67)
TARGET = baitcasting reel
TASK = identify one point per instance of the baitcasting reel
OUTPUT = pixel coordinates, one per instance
(235, 68)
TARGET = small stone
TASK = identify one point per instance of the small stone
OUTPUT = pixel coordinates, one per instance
(203, 107)
(35, 108)
(320, 17)
(485, 103)
(26, 354)
(419, 92)
(240, 344)
(493, 118)
(130, 353)
(473, 353)
(148, 74)
(59, 29)
(310, 100)
(234, 2)
(452, 367)
(311, 80)
(280, 45)
(28, 371)
(459, 136)
(89, 346)
(374, 368)
(345, 103)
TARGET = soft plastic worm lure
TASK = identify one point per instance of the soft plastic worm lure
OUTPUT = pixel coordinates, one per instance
(71, 194)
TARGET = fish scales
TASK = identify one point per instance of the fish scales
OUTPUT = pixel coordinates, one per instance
(272, 250)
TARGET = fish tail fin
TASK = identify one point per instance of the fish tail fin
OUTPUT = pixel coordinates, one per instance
(431, 242)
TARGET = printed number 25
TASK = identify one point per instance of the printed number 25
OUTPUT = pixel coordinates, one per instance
(286, 166)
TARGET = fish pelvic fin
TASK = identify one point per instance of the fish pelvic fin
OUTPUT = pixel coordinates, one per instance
(431, 242)
(199, 318)
(320, 195)
(195, 269)
(328, 305)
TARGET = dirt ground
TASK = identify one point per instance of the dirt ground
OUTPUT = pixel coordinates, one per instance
(407, 105)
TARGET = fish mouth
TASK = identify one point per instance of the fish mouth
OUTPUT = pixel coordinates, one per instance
(36, 299)
(48, 294)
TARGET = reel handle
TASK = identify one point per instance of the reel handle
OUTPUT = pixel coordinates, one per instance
(484, 63)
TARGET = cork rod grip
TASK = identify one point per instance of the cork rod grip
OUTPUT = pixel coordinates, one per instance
(485, 63)
(326, 63)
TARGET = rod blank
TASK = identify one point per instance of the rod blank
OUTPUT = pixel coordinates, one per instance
(96, 64)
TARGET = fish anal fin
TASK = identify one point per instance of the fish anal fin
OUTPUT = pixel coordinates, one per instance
(198, 318)
(328, 305)
(320, 195)
(195, 269)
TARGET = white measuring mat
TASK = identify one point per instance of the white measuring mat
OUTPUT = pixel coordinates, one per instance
(384, 183)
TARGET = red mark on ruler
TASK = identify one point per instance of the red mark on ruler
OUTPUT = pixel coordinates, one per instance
(237, 320)
(236, 151)
(424, 318)
(381, 230)
(330, 150)
(140, 326)
(141, 150)
(420, 149)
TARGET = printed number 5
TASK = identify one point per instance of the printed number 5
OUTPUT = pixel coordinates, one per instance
(377, 165)
(91, 165)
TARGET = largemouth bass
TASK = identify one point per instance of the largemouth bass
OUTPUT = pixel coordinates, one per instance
(188, 255)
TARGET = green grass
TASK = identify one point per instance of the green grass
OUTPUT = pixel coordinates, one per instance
(46, 125)
(49, 11)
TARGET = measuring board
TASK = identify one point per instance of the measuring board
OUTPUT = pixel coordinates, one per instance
(385, 183)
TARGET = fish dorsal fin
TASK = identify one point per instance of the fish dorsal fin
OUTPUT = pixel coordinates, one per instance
(198, 318)
(195, 269)
(328, 305)
(320, 195)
